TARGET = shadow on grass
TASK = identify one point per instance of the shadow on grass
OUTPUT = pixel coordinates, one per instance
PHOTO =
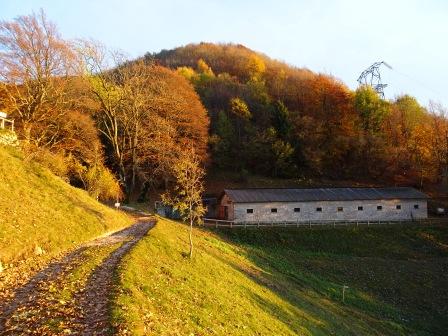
(314, 304)
(396, 278)
(79, 203)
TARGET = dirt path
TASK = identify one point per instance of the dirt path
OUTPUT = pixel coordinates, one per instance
(71, 296)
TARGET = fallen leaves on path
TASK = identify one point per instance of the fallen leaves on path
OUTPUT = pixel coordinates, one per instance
(71, 296)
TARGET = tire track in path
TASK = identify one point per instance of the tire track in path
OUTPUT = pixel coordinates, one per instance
(36, 307)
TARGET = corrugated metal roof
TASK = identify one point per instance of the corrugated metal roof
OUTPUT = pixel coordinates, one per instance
(321, 194)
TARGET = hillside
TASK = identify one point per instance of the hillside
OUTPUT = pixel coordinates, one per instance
(285, 282)
(273, 119)
(41, 215)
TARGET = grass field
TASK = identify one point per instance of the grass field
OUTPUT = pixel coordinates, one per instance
(286, 282)
(40, 213)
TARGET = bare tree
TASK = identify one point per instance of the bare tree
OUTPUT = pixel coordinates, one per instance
(123, 115)
(186, 196)
(98, 63)
(145, 113)
(36, 66)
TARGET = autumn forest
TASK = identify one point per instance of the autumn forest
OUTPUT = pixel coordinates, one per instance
(115, 126)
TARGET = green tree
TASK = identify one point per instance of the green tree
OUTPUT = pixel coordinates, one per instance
(269, 155)
(281, 120)
(283, 159)
(186, 196)
(222, 141)
(411, 112)
(371, 109)
(240, 109)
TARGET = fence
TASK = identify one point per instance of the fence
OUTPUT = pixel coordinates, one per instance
(218, 223)
(4, 121)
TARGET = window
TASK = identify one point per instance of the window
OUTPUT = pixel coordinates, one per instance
(415, 206)
(360, 208)
(274, 210)
(379, 207)
(296, 209)
(319, 209)
(340, 209)
(398, 206)
(249, 210)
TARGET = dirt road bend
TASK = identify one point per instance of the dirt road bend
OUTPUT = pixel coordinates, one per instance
(71, 296)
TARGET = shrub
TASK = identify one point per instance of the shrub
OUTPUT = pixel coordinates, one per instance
(8, 138)
(57, 163)
(101, 183)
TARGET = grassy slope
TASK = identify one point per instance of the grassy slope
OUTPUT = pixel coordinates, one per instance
(38, 209)
(286, 282)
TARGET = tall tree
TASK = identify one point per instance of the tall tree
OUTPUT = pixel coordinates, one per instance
(36, 66)
(256, 67)
(439, 140)
(281, 120)
(42, 87)
(146, 114)
(98, 62)
(371, 109)
(223, 141)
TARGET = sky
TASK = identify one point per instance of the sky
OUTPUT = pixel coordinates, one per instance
(339, 37)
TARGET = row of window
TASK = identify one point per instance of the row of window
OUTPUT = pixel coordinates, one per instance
(339, 209)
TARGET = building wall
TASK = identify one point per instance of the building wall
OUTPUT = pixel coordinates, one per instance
(227, 202)
(285, 211)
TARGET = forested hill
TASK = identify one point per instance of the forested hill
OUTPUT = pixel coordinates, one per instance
(118, 127)
(271, 118)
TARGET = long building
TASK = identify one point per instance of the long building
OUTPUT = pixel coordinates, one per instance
(322, 204)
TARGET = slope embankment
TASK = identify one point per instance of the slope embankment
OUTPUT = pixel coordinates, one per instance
(42, 216)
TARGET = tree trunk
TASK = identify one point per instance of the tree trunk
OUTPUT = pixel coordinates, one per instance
(27, 133)
(134, 164)
(191, 238)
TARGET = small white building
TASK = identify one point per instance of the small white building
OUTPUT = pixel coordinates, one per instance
(322, 204)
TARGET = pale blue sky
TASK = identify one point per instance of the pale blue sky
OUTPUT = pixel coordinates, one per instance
(340, 37)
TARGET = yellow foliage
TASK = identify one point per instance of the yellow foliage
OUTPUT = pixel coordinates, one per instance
(204, 68)
(256, 66)
(102, 184)
(187, 72)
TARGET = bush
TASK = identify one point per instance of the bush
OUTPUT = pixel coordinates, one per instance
(102, 184)
(8, 138)
(57, 163)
